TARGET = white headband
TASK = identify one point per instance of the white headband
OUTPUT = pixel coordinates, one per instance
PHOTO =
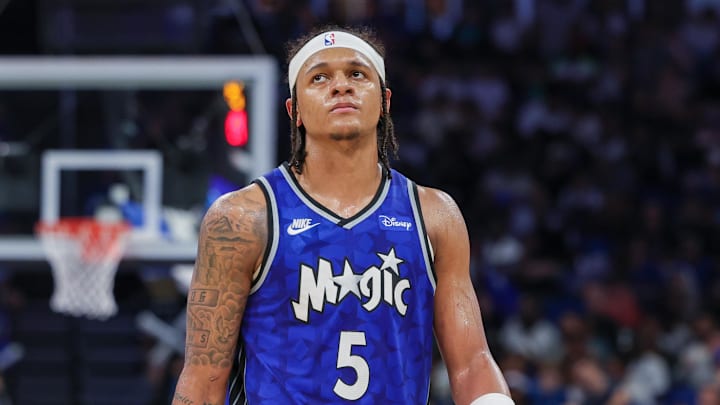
(334, 39)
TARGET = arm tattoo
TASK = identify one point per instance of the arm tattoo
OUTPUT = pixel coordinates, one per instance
(186, 401)
(183, 399)
(222, 241)
(232, 238)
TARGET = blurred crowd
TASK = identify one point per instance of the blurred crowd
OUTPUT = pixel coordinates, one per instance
(581, 139)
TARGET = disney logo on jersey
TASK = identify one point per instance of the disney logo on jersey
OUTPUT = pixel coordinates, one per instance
(395, 223)
(300, 225)
(375, 285)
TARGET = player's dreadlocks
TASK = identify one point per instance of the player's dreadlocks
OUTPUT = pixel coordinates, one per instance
(386, 140)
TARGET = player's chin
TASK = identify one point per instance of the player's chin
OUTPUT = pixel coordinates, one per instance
(344, 130)
(345, 135)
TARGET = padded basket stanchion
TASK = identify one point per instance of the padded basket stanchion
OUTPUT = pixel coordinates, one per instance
(84, 254)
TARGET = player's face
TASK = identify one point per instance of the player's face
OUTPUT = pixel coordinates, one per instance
(338, 95)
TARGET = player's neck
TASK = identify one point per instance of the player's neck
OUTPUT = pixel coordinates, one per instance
(342, 179)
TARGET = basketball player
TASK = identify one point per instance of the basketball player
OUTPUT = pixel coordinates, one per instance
(323, 281)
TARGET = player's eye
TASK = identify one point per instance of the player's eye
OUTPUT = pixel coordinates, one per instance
(358, 74)
(318, 78)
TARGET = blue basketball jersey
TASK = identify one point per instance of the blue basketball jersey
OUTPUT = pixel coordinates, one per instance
(342, 308)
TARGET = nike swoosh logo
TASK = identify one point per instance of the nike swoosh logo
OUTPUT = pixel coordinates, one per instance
(292, 231)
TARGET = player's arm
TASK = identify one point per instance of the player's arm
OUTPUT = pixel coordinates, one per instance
(233, 235)
(472, 369)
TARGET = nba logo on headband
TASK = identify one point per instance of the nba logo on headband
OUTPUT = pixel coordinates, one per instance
(329, 39)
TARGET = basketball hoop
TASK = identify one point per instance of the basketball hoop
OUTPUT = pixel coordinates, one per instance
(84, 254)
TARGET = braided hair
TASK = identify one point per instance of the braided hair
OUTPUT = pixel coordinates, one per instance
(386, 140)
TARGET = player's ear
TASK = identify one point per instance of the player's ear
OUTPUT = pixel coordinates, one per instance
(288, 107)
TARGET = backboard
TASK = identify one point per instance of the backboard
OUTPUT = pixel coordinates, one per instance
(150, 74)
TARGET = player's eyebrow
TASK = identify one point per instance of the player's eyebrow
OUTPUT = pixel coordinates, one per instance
(323, 65)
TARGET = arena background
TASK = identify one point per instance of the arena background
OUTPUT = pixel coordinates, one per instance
(581, 139)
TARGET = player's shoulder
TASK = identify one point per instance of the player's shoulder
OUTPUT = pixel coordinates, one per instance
(440, 212)
(236, 222)
(246, 203)
(433, 199)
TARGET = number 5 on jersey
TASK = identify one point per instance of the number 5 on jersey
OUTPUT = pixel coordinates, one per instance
(347, 359)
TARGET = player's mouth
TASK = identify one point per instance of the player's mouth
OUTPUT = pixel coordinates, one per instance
(340, 108)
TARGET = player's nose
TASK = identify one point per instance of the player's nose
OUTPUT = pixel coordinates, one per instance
(341, 84)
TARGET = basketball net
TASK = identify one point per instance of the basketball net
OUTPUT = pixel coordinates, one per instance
(84, 254)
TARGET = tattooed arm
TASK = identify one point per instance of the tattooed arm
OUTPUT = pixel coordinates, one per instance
(233, 235)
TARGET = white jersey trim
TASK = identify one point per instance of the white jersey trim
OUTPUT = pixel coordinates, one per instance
(274, 239)
(422, 233)
(347, 223)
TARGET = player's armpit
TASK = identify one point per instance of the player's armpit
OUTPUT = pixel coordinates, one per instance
(232, 239)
